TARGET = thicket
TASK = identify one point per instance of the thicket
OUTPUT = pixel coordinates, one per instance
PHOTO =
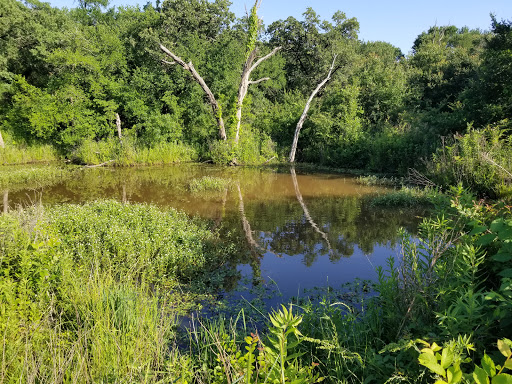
(92, 82)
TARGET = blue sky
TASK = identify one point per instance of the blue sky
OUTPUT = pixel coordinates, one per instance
(396, 22)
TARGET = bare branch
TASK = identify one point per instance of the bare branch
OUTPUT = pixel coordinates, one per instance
(168, 62)
(259, 81)
(211, 98)
(245, 82)
(262, 59)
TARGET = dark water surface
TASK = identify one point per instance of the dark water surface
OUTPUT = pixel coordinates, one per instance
(295, 230)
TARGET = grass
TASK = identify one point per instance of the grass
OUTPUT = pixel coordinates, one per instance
(13, 178)
(128, 153)
(405, 197)
(208, 183)
(91, 293)
(15, 154)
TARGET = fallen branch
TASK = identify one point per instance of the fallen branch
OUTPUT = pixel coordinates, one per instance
(99, 165)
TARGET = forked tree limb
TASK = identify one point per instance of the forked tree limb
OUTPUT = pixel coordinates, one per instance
(245, 82)
(306, 110)
(211, 98)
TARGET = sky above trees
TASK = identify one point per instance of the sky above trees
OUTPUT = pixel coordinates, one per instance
(397, 22)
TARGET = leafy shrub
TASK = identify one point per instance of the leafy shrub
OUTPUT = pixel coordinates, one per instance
(480, 160)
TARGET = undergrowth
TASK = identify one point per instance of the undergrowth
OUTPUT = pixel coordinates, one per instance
(91, 294)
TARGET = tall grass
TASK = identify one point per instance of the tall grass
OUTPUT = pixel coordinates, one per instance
(127, 153)
(14, 177)
(89, 293)
(18, 154)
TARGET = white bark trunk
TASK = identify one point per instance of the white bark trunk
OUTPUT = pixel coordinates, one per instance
(305, 112)
(118, 125)
(2, 144)
(245, 82)
(211, 98)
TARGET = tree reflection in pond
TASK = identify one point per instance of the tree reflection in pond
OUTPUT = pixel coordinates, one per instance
(293, 228)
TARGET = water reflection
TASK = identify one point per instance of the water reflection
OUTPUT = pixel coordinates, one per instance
(294, 228)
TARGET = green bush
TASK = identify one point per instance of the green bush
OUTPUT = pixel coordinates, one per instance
(480, 160)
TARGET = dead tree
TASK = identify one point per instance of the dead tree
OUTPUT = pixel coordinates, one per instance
(245, 82)
(118, 125)
(211, 98)
(306, 210)
(252, 51)
(306, 109)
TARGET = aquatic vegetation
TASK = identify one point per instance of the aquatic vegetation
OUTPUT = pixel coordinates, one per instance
(208, 183)
(405, 197)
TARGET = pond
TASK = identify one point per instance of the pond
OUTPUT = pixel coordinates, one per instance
(294, 230)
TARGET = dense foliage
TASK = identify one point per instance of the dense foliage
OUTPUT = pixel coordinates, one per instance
(68, 77)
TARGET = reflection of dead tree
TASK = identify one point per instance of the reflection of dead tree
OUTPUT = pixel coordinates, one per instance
(245, 222)
(125, 200)
(306, 211)
(247, 227)
(223, 210)
(6, 201)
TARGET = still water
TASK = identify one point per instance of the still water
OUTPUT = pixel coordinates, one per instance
(295, 230)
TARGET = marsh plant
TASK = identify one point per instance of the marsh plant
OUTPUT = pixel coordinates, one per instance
(209, 183)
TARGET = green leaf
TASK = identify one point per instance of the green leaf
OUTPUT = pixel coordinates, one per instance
(454, 375)
(488, 366)
(502, 378)
(502, 257)
(480, 376)
(504, 348)
(430, 361)
(486, 239)
(446, 357)
(508, 364)
(506, 273)
(478, 230)
(498, 225)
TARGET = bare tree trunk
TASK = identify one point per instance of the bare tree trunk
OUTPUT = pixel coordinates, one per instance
(6, 201)
(305, 112)
(2, 144)
(245, 82)
(306, 211)
(118, 125)
(211, 98)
